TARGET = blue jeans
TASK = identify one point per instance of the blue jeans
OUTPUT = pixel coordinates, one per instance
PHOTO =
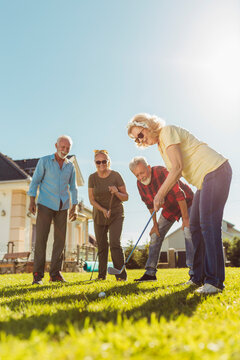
(206, 227)
(156, 243)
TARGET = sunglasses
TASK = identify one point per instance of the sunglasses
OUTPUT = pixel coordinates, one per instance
(139, 137)
(98, 162)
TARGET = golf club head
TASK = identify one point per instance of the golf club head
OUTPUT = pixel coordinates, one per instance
(113, 271)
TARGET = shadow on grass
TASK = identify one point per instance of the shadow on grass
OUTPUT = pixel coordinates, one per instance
(169, 306)
(10, 290)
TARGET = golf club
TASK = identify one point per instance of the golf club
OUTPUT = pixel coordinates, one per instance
(113, 271)
(109, 208)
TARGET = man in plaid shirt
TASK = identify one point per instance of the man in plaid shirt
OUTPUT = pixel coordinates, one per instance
(176, 205)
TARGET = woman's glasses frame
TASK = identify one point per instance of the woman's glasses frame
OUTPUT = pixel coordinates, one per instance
(139, 137)
(99, 162)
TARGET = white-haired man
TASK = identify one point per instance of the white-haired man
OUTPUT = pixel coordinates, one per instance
(176, 205)
(55, 176)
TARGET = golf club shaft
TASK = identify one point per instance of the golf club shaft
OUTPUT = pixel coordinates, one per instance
(138, 239)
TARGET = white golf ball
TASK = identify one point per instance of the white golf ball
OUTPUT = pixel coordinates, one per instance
(102, 294)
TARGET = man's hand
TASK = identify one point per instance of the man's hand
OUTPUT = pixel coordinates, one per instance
(73, 213)
(32, 206)
(154, 230)
(185, 223)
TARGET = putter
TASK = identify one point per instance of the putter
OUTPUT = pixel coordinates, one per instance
(114, 271)
(110, 205)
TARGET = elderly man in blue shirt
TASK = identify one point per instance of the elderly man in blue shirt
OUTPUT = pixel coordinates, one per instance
(54, 176)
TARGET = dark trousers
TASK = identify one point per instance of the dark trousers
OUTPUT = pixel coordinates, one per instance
(205, 224)
(45, 217)
(114, 229)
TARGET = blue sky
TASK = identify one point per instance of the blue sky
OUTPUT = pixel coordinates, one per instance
(84, 68)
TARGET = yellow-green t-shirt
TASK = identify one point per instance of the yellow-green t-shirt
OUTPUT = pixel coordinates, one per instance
(198, 158)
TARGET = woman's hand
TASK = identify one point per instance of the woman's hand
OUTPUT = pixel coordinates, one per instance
(113, 189)
(158, 201)
(106, 213)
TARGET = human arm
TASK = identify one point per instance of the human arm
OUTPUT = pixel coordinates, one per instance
(74, 195)
(120, 192)
(155, 224)
(97, 206)
(184, 211)
(73, 212)
(175, 156)
(36, 179)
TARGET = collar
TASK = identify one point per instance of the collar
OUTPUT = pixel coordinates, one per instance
(54, 159)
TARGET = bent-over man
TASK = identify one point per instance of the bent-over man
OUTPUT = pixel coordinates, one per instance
(176, 205)
(55, 176)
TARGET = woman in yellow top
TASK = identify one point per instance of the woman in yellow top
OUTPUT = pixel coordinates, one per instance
(203, 167)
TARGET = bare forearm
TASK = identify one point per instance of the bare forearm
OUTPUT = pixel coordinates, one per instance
(121, 196)
(154, 218)
(173, 176)
(184, 210)
(96, 205)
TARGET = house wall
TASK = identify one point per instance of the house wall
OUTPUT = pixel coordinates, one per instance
(77, 234)
(5, 207)
(18, 219)
(174, 240)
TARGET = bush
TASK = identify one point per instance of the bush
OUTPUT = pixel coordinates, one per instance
(138, 258)
(234, 255)
(227, 245)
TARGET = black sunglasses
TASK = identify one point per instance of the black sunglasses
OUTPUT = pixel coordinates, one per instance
(140, 136)
(98, 162)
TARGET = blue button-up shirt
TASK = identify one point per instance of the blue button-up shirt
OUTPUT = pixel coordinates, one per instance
(54, 183)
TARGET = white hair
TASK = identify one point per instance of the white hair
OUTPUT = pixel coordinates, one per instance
(65, 137)
(136, 161)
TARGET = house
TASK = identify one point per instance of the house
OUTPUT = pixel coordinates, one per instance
(18, 225)
(176, 239)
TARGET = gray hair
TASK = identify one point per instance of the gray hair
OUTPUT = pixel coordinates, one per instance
(65, 137)
(136, 161)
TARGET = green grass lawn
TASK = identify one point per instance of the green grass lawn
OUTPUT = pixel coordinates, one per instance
(163, 319)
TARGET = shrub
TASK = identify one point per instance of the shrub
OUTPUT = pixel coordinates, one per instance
(227, 245)
(138, 258)
(234, 255)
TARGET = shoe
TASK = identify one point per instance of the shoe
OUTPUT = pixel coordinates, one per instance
(57, 278)
(191, 283)
(208, 289)
(147, 277)
(37, 279)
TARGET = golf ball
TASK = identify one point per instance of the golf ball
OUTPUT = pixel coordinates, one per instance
(102, 294)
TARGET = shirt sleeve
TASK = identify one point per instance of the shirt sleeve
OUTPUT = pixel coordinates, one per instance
(119, 180)
(37, 178)
(170, 135)
(90, 182)
(73, 187)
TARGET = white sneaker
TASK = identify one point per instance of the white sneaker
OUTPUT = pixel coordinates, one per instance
(190, 282)
(208, 289)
